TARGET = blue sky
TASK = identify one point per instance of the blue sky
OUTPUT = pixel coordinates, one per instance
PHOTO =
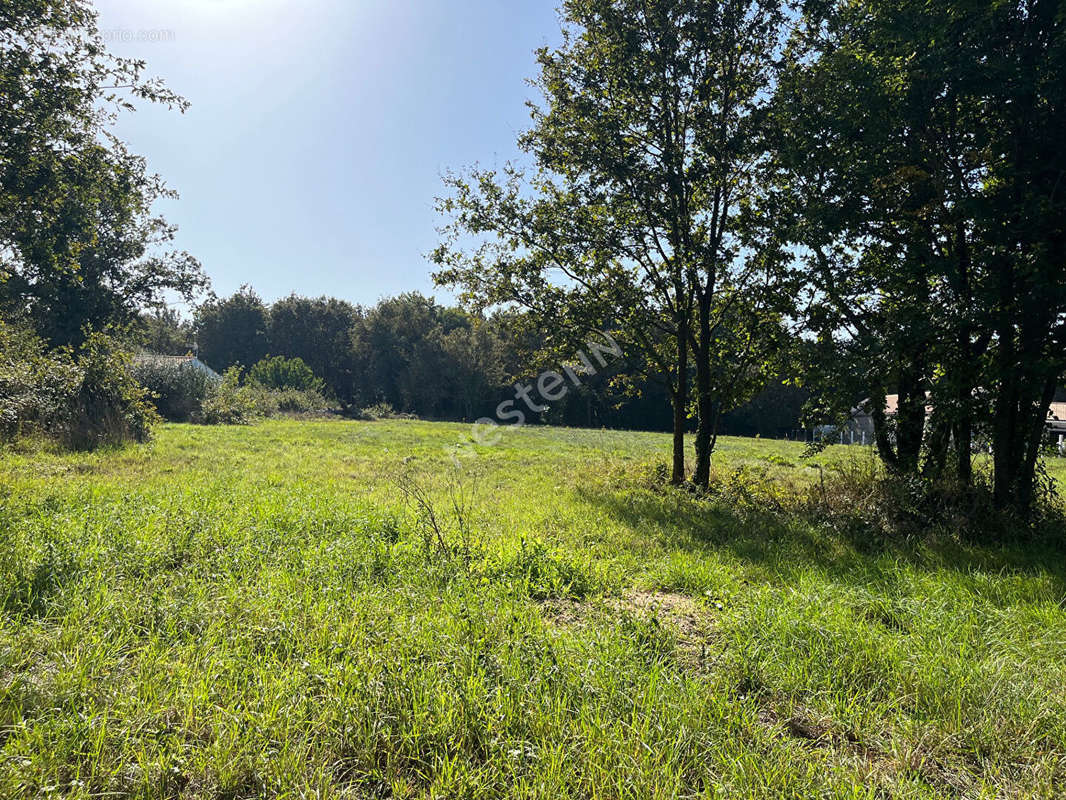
(318, 130)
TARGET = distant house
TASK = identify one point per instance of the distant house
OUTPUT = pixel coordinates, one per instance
(862, 421)
(861, 424)
(1056, 424)
(189, 360)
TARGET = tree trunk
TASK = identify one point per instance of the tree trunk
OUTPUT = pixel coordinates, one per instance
(1005, 461)
(910, 420)
(968, 354)
(1034, 439)
(679, 398)
(936, 446)
(964, 450)
(705, 407)
(677, 473)
(962, 427)
(1018, 430)
(705, 427)
(881, 438)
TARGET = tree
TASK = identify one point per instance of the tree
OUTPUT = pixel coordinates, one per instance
(476, 354)
(646, 150)
(921, 176)
(1014, 76)
(163, 331)
(79, 246)
(285, 373)
(431, 360)
(232, 331)
(398, 350)
(319, 331)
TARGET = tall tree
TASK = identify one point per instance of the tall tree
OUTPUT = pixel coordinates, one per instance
(922, 178)
(397, 353)
(233, 330)
(163, 331)
(646, 149)
(79, 245)
(477, 357)
(1014, 75)
(317, 330)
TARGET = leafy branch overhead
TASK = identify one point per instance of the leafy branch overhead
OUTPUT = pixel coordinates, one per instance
(79, 243)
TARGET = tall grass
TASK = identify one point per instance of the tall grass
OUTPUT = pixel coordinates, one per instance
(259, 612)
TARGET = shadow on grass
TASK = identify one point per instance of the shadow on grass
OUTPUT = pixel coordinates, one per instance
(786, 543)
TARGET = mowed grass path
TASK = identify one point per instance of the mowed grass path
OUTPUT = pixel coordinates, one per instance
(256, 612)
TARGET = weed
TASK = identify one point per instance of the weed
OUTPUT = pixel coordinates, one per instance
(445, 529)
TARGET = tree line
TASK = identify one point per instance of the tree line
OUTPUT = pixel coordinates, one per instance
(420, 357)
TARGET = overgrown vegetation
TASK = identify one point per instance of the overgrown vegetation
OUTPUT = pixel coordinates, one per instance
(79, 399)
(234, 401)
(177, 389)
(234, 612)
(278, 372)
(181, 392)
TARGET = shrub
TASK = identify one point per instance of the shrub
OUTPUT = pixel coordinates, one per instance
(28, 387)
(178, 388)
(383, 411)
(110, 406)
(297, 401)
(81, 400)
(233, 402)
(282, 373)
(230, 403)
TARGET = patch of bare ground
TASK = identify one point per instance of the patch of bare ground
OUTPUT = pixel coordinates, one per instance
(691, 621)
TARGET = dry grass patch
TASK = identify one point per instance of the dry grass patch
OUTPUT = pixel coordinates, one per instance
(687, 619)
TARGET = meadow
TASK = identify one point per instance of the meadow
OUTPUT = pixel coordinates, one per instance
(333, 609)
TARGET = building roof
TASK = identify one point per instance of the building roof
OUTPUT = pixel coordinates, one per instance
(1057, 411)
(891, 406)
(162, 359)
(189, 359)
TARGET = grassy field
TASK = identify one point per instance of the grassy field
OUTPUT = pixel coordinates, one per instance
(268, 612)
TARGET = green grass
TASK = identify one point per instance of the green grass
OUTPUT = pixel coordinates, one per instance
(256, 612)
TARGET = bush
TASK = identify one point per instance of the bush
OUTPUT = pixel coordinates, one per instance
(382, 411)
(110, 406)
(81, 400)
(282, 373)
(29, 384)
(178, 388)
(233, 402)
(296, 401)
(230, 403)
